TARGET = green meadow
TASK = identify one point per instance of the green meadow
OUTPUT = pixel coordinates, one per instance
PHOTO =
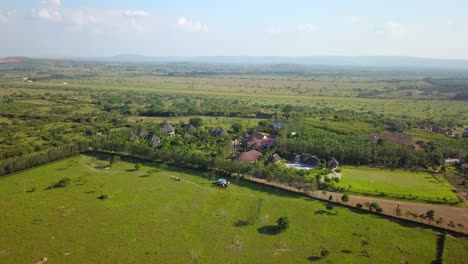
(396, 183)
(161, 214)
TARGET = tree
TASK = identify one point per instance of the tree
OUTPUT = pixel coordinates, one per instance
(196, 121)
(282, 223)
(344, 198)
(237, 127)
(398, 211)
(451, 224)
(138, 166)
(430, 215)
(114, 160)
(439, 221)
(263, 123)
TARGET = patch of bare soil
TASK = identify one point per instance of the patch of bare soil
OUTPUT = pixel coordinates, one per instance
(393, 137)
(12, 59)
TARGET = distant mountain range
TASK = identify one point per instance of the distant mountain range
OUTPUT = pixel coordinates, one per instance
(362, 61)
(331, 61)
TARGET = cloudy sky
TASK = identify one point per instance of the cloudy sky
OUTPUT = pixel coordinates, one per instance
(58, 28)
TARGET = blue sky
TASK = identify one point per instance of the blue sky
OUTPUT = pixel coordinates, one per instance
(58, 28)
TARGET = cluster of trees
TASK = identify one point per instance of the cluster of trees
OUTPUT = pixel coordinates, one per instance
(38, 158)
(356, 150)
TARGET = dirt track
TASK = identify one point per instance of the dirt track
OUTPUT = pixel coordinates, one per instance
(455, 214)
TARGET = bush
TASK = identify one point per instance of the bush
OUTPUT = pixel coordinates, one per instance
(338, 170)
(282, 223)
(60, 184)
(324, 253)
(329, 207)
(330, 197)
(138, 166)
(359, 205)
(345, 198)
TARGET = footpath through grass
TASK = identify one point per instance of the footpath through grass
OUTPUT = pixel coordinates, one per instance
(152, 217)
(421, 186)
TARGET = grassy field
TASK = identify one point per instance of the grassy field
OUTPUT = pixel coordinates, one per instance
(418, 185)
(152, 218)
(456, 250)
(225, 122)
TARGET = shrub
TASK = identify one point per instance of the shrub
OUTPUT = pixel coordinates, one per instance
(60, 184)
(336, 179)
(338, 170)
(330, 197)
(329, 207)
(138, 166)
(359, 205)
(345, 198)
(324, 253)
(282, 223)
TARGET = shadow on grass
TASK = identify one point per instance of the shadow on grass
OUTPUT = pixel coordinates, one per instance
(314, 258)
(268, 230)
(240, 223)
(320, 212)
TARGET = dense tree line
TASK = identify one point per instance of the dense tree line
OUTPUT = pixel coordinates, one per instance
(28, 161)
(352, 149)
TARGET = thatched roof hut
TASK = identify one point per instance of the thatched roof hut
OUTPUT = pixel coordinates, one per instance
(275, 158)
(167, 129)
(155, 141)
(333, 164)
(189, 128)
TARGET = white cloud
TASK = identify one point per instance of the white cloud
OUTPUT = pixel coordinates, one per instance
(192, 25)
(395, 30)
(49, 10)
(307, 28)
(136, 13)
(97, 21)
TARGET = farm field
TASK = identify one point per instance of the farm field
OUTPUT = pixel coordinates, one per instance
(421, 186)
(151, 217)
(456, 250)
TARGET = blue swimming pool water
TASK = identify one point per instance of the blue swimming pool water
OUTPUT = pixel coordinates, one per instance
(299, 166)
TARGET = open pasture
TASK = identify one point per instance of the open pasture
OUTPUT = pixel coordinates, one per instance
(152, 217)
(397, 183)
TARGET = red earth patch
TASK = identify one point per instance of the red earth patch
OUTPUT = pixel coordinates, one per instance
(12, 59)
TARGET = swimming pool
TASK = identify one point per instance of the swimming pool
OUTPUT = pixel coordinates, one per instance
(298, 166)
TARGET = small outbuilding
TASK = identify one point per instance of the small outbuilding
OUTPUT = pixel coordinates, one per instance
(155, 141)
(333, 164)
(275, 158)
